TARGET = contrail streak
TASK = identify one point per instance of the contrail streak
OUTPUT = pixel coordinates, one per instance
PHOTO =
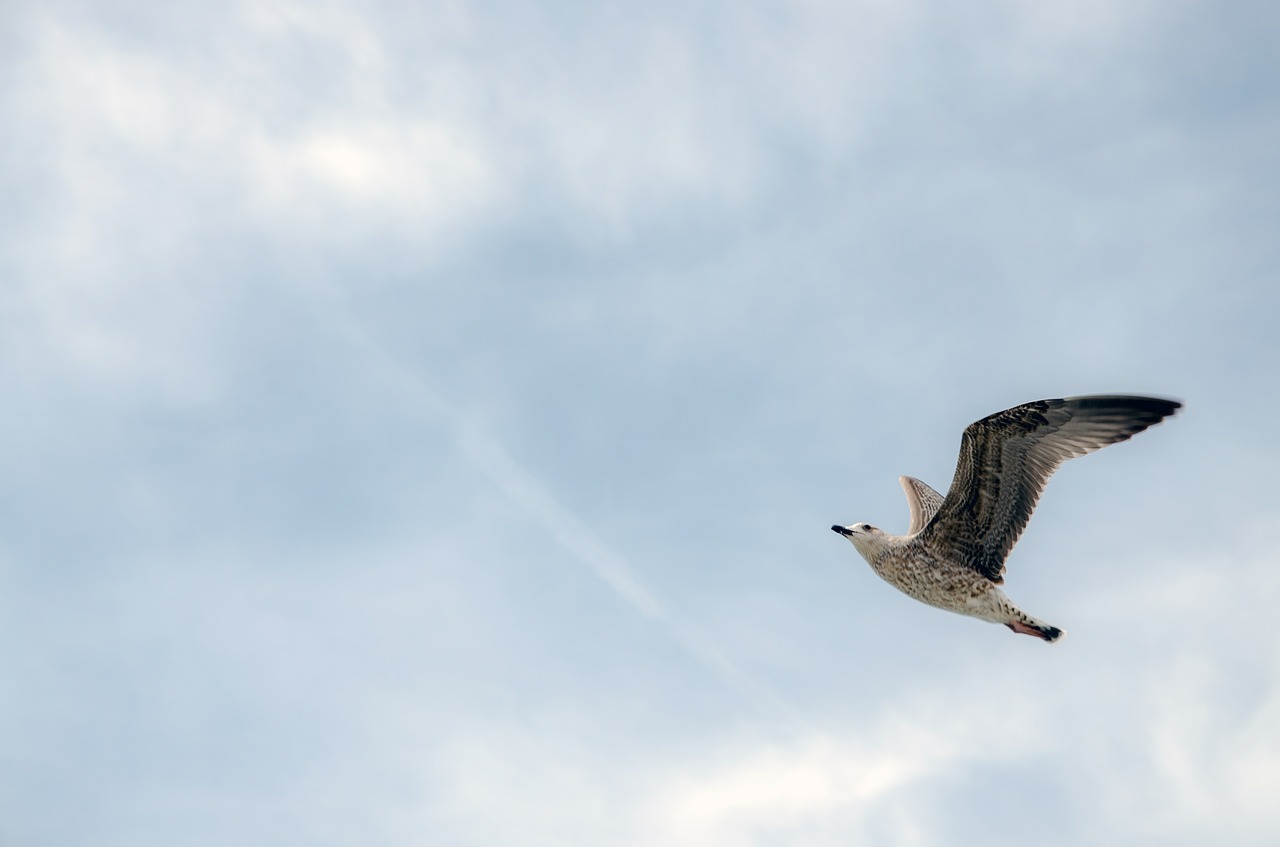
(488, 456)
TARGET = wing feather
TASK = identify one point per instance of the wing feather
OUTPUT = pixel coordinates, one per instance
(922, 500)
(1007, 458)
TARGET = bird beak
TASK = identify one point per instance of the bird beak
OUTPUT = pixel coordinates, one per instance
(842, 530)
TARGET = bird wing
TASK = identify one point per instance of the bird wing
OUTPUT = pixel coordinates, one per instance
(922, 500)
(1007, 458)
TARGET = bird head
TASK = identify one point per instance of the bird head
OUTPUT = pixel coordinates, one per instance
(864, 537)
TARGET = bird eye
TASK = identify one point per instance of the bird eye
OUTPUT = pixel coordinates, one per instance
(866, 527)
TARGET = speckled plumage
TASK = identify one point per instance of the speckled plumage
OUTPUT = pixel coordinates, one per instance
(954, 552)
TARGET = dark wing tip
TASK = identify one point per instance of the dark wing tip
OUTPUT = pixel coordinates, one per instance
(1125, 402)
(1135, 409)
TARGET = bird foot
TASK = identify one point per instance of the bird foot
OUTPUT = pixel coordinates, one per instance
(1046, 634)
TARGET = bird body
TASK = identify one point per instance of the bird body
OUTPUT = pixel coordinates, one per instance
(954, 552)
(910, 566)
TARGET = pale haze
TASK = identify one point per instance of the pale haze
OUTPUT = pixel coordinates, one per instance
(422, 422)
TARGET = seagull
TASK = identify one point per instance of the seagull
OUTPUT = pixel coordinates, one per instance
(953, 554)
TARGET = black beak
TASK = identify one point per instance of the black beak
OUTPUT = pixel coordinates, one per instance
(841, 530)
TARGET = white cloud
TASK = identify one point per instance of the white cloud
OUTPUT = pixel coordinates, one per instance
(1119, 732)
(419, 180)
(123, 268)
(108, 106)
(835, 787)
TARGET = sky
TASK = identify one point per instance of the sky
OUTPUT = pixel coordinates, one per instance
(423, 421)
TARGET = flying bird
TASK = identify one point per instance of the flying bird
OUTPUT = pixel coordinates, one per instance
(954, 552)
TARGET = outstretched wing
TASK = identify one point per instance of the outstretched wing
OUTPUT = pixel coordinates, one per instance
(922, 500)
(1006, 460)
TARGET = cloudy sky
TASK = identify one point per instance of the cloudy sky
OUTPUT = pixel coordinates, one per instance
(422, 421)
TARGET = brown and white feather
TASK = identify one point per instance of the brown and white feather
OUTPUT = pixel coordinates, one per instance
(923, 501)
(1007, 458)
